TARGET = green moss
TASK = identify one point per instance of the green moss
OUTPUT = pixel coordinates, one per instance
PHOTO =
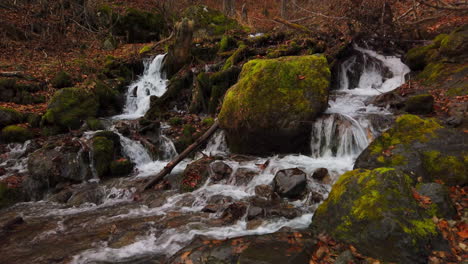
(69, 107)
(145, 49)
(458, 91)
(16, 134)
(94, 124)
(408, 128)
(139, 26)
(421, 227)
(455, 43)
(62, 80)
(284, 50)
(239, 55)
(9, 116)
(227, 43)
(268, 89)
(450, 169)
(121, 167)
(211, 22)
(176, 121)
(209, 121)
(103, 155)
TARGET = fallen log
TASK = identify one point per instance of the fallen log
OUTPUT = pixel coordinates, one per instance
(170, 166)
(293, 25)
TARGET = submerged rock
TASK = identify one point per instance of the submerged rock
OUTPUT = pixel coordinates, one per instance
(268, 109)
(220, 170)
(290, 183)
(375, 211)
(420, 148)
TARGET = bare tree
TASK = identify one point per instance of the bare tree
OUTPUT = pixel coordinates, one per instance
(228, 7)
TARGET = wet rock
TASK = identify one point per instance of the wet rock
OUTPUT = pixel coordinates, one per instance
(288, 213)
(290, 183)
(254, 224)
(316, 197)
(62, 197)
(345, 257)
(16, 134)
(254, 212)
(217, 203)
(442, 205)
(277, 248)
(9, 117)
(421, 148)
(195, 174)
(234, 212)
(89, 193)
(10, 225)
(52, 165)
(263, 127)
(320, 174)
(243, 176)
(264, 191)
(220, 170)
(375, 211)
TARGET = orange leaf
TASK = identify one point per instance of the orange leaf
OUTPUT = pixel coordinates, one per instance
(463, 234)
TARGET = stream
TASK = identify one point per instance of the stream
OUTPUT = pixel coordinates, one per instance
(160, 225)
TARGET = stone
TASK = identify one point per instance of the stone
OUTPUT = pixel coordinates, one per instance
(220, 171)
(320, 174)
(290, 183)
(441, 204)
(264, 191)
(243, 176)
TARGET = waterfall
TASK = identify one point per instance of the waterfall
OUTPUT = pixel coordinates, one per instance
(152, 83)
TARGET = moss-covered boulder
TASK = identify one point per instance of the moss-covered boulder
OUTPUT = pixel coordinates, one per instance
(61, 80)
(140, 26)
(456, 43)
(419, 104)
(110, 100)
(210, 22)
(9, 116)
(16, 134)
(69, 107)
(103, 155)
(270, 107)
(421, 148)
(375, 211)
(239, 55)
(121, 167)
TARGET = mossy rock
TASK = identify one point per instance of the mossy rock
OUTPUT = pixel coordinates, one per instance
(284, 50)
(418, 57)
(8, 196)
(9, 116)
(419, 104)
(375, 211)
(34, 119)
(227, 43)
(109, 99)
(441, 204)
(94, 124)
(121, 168)
(210, 22)
(421, 148)
(239, 55)
(62, 80)
(269, 108)
(69, 107)
(103, 155)
(456, 43)
(188, 137)
(140, 26)
(16, 134)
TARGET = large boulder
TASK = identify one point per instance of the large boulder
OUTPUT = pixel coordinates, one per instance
(375, 211)
(270, 107)
(422, 148)
(69, 107)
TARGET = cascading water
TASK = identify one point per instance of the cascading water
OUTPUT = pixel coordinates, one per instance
(338, 137)
(152, 83)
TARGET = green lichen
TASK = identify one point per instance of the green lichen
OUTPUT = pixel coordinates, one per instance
(16, 134)
(407, 129)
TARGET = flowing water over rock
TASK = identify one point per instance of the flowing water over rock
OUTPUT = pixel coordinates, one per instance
(159, 223)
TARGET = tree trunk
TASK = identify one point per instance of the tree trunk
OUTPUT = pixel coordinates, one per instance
(179, 52)
(284, 9)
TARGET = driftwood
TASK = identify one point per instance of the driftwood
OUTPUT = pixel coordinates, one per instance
(170, 166)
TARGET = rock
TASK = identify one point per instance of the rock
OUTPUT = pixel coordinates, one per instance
(69, 107)
(345, 257)
(455, 44)
(220, 171)
(264, 191)
(277, 248)
(137, 26)
(109, 43)
(15, 134)
(62, 80)
(277, 98)
(54, 164)
(180, 52)
(9, 117)
(441, 205)
(234, 212)
(103, 155)
(12, 224)
(9, 196)
(420, 148)
(195, 174)
(375, 211)
(254, 224)
(320, 174)
(419, 104)
(290, 183)
(88, 193)
(209, 22)
(121, 168)
(243, 176)
(254, 212)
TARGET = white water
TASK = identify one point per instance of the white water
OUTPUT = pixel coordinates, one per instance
(338, 138)
(152, 83)
(14, 160)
